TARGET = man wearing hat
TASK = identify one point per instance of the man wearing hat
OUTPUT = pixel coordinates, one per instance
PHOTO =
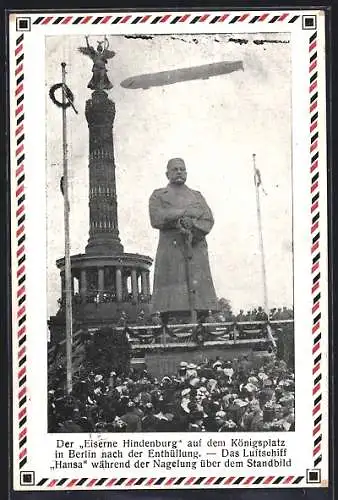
(182, 268)
(182, 371)
(191, 370)
(149, 421)
(131, 418)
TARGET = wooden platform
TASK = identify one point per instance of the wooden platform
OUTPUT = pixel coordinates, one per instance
(160, 359)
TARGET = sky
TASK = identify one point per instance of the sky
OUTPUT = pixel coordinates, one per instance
(215, 125)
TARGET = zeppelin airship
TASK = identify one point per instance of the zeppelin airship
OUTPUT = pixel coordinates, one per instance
(181, 75)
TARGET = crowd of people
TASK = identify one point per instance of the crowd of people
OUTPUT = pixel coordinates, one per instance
(255, 314)
(251, 393)
(258, 314)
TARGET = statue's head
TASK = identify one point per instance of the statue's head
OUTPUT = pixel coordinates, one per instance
(176, 171)
(100, 46)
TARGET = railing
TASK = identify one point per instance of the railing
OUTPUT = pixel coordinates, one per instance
(184, 334)
(104, 297)
(176, 334)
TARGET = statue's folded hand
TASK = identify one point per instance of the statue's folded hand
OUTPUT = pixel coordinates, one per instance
(186, 222)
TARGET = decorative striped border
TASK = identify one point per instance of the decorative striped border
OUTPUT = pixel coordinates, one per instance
(21, 256)
(20, 249)
(207, 18)
(315, 251)
(172, 481)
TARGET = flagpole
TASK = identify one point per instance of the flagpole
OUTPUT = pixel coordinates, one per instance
(258, 181)
(260, 235)
(68, 275)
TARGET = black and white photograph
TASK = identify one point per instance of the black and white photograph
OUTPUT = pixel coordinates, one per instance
(177, 286)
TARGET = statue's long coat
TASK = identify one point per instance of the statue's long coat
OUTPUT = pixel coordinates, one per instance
(170, 290)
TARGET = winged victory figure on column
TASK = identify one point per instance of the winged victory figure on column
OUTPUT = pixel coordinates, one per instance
(99, 56)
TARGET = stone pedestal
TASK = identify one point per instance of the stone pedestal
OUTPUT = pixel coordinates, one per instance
(100, 301)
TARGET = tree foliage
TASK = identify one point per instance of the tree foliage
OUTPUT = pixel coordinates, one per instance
(109, 350)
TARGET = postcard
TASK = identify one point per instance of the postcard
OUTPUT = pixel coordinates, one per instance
(169, 249)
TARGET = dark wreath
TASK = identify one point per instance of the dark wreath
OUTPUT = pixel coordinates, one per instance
(68, 92)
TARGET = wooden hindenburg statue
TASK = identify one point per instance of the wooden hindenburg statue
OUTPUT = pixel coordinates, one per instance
(182, 279)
